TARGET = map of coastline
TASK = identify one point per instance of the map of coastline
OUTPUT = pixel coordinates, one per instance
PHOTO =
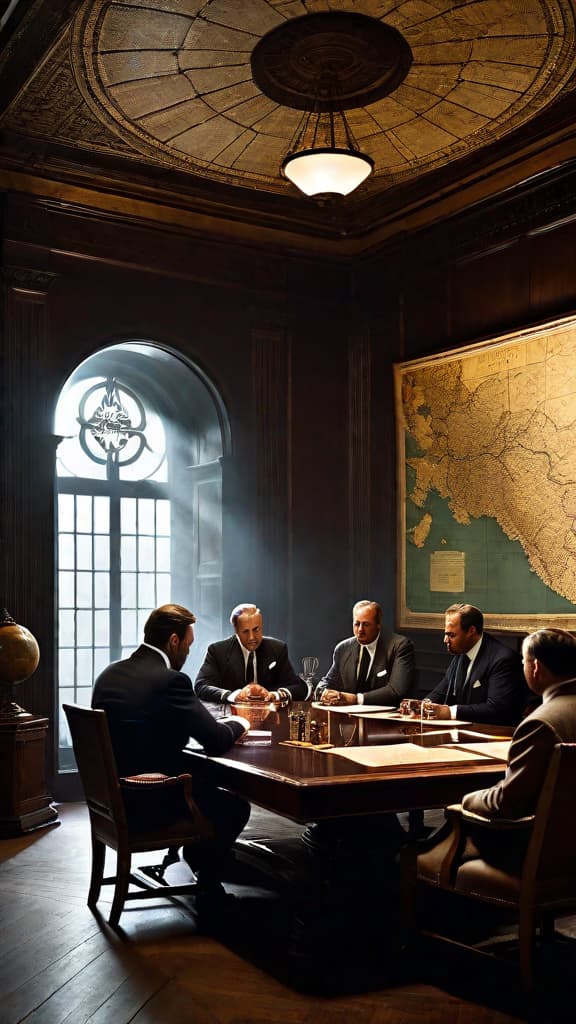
(488, 463)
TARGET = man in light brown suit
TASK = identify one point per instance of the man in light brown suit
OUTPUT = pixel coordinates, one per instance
(549, 660)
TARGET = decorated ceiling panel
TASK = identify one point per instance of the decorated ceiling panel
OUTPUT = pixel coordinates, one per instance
(175, 79)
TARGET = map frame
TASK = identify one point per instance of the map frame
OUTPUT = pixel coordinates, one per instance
(502, 621)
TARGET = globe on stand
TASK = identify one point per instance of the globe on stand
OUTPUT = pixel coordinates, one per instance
(19, 658)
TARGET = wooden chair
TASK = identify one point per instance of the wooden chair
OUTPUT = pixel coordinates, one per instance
(120, 810)
(540, 888)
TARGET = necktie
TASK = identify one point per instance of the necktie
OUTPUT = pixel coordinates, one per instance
(363, 670)
(460, 678)
(250, 668)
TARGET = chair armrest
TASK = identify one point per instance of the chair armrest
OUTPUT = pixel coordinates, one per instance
(152, 784)
(497, 824)
(455, 811)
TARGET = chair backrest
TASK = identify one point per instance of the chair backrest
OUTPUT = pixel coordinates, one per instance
(552, 850)
(96, 763)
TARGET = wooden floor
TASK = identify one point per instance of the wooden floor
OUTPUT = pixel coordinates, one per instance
(60, 963)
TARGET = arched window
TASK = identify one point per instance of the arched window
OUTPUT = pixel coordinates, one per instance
(139, 516)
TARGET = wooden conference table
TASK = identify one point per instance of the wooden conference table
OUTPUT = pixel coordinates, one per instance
(343, 804)
(312, 784)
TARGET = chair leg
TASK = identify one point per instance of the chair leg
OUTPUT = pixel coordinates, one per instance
(97, 873)
(123, 861)
(526, 926)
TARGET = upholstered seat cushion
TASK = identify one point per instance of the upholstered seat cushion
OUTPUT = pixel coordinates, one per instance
(478, 878)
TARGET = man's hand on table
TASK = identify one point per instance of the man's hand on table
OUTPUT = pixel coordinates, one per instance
(337, 697)
(439, 711)
(436, 712)
(253, 691)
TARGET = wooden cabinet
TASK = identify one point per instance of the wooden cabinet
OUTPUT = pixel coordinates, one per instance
(24, 802)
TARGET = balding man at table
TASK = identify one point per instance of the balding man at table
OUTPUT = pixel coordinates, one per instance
(372, 667)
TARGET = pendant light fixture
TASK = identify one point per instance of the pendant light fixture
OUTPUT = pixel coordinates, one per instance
(324, 158)
(325, 64)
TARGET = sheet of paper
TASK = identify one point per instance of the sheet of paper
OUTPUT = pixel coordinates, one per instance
(494, 748)
(397, 755)
(354, 709)
(436, 722)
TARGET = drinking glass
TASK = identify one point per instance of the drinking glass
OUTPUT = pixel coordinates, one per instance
(310, 667)
(409, 707)
(347, 728)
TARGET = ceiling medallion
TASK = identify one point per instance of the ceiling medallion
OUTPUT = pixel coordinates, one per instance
(325, 64)
(365, 57)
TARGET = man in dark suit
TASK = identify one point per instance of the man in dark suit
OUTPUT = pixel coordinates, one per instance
(484, 681)
(152, 712)
(248, 665)
(372, 667)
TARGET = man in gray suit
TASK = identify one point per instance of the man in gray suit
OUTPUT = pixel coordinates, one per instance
(371, 667)
(549, 659)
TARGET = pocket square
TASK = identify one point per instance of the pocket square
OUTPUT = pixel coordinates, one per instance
(382, 673)
(271, 665)
(477, 683)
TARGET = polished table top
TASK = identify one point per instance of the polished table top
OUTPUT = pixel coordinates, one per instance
(308, 784)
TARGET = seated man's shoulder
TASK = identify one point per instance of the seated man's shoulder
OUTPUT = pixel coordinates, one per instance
(396, 639)
(221, 645)
(500, 648)
(349, 641)
(274, 642)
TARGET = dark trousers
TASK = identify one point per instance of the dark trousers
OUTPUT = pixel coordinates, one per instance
(228, 815)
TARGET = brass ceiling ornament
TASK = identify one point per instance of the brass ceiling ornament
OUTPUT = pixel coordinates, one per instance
(325, 64)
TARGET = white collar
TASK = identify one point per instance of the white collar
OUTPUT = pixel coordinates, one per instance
(371, 648)
(158, 651)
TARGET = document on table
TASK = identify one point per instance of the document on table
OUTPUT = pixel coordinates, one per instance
(354, 709)
(395, 716)
(494, 748)
(406, 755)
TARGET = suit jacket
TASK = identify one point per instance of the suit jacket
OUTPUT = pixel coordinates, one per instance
(152, 712)
(532, 744)
(391, 675)
(495, 690)
(223, 670)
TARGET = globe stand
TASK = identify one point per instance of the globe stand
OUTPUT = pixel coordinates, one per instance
(24, 803)
(8, 707)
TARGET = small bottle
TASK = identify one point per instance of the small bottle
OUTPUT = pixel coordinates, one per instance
(294, 724)
(314, 732)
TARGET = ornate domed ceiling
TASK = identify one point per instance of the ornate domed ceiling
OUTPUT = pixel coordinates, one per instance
(204, 96)
(175, 78)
